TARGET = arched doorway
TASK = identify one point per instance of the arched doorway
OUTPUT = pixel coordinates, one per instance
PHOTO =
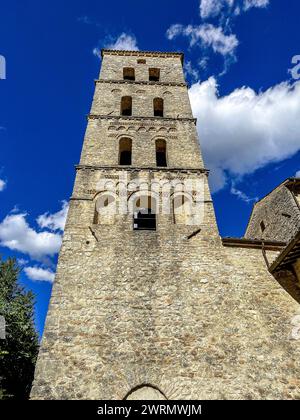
(145, 392)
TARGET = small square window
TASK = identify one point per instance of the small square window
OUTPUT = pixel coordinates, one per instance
(141, 61)
(128, 73)
(154, 75)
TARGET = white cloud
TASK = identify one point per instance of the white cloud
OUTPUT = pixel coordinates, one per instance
(206, 35)
(245, 130)
(39, 274)
(97, 52)
(174, 30)
(248, 4)
(213, 8)
(297, 175)
(22, 261)
(203, 63)
(17, 235)
(122, 42)
(2, 184)
(218, 37)
(191, 71)
(15, 209)
(241, 195)
(54, 221)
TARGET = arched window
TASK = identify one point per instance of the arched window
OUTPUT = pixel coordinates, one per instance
(126, 105)
(158, 106)
(144, 216)
(154, 75)
(161, 153)
(125, 151)
(128, 73)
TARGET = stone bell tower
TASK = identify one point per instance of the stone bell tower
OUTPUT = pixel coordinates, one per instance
(144, 304)
(119, 311)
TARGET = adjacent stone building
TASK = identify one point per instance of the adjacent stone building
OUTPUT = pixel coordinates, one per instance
(277, 217)
(148, 301)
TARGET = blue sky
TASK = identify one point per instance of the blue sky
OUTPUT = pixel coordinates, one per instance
(238, 55)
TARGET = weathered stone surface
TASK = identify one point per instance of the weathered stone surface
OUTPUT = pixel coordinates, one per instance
(190, 317)
(278, 213)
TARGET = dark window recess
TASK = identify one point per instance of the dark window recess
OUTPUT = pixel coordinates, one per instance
(126, 106)
(125, 158)
(158, 107)
(128, 73)
(141, 61)
(125, 151)
(144, 220)
(161, 159)
(154, 75)
(262, 226)
(161, 153)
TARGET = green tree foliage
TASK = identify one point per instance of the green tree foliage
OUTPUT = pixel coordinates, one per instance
(18, 351)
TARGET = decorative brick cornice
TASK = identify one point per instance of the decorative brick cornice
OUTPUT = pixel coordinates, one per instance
(140, 82)
(138, 118)
(143, 53)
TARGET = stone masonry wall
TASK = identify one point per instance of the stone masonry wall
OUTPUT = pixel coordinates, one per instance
(170, 67)
(197, 321)
(101, 145)
(279, 213)
(171, 308)
(107, 99)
